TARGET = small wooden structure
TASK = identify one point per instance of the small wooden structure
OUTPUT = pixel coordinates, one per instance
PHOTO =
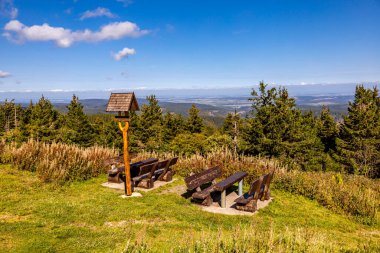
(123, 103)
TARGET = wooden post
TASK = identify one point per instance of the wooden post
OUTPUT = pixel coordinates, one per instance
(240, 192)
(128, 188)
(223, 199)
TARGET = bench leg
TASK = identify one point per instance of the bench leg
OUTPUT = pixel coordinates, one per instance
(223, 199)
(240, 188)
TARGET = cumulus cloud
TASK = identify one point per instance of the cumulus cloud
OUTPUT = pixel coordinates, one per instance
(4, 74)
(98, 12)
(18, 32)
(125, 52)
(7, 9)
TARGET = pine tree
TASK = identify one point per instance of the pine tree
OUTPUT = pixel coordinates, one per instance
(194, 121)
(358, 144)
(327, 130)
(151, 123)
(79, 129)
(277, 128)
(43, 121)
(173, 124)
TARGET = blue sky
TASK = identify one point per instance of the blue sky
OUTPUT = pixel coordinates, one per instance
(141, 44)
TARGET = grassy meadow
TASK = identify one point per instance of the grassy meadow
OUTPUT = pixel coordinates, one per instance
(83, 216)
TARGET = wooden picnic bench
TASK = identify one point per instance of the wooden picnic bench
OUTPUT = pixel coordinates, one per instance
(248, 201)
(196, 181)
(167, 173)
(265, 190)
(115, 174)
(227, 183)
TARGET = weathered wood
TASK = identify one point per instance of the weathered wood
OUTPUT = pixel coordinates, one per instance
(204, 177)
(265, 190)
(122, 102)
(115, 175)
(197, 180)
(228, 182)
(145, 178)
(248, 201)
(167, 174)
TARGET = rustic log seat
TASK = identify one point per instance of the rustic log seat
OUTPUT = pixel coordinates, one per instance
(248, 201)
(227, 183)
(114, 175)
(265, 190)
(196, 181)
(167, 173)
(145, 177)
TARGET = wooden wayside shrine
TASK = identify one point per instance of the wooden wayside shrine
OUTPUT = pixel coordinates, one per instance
(123, 103)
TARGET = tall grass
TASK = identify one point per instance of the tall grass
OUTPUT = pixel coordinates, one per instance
(349, 194)
(59, 162)
(354, 195)
(255, 239)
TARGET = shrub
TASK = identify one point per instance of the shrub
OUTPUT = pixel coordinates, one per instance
(59, 162)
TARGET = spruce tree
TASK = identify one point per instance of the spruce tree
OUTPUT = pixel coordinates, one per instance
(277, 128)
(327, 130)
(79, 129)
(151, 123)
(358, 144)
(194, 121)
(43, 121)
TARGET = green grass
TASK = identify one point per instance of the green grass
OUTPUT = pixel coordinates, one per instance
(86, 217)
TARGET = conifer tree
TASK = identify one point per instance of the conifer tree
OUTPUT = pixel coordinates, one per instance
(327, 130)
(43, 121)
(173, 125)
(79, 129)
(194, 121)
(151, 123)
(358, 144)
(277, 128)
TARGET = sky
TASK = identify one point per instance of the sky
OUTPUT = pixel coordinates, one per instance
(69, 45)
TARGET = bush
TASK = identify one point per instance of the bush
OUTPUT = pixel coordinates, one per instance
(59, 162)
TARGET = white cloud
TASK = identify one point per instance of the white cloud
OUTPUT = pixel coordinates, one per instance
(125, 2)
(98, 12)
(7, 9)
(4, 74)
(18, 32)
(125, 52)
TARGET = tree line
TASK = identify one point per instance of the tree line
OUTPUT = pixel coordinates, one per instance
(275, 127)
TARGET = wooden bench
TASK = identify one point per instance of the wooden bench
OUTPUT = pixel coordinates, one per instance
(196, 181)
(145, 178)
(228, 182)
(265, 190)
(248, 201)
(167, 173)
(115, 174)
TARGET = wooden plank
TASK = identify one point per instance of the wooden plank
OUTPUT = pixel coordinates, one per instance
(221, 186)
(203, 177)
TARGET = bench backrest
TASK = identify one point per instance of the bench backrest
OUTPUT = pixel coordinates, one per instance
(173, 161)
(138, 164)
(203, 177)
(162, 164)
(149, 168)
(255, 187)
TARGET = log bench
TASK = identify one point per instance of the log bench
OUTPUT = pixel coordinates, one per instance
(248, 201)
(167, 172)
(227, 183)
(115, 174)
(196, 181)
(265, 190)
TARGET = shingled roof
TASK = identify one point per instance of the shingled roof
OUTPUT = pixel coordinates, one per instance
(122, 102)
